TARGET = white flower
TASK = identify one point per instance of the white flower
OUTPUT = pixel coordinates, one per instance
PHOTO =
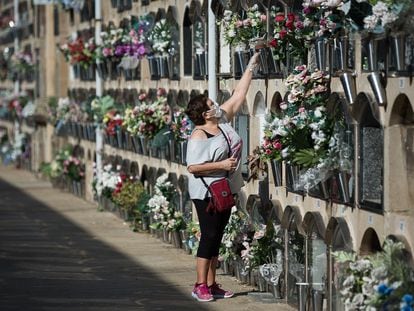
(370, 22)
(388, 18)
(379, 9)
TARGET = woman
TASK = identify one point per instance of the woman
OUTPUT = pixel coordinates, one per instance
(208, 157)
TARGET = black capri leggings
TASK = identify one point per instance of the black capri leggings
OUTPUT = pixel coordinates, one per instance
(212, 228)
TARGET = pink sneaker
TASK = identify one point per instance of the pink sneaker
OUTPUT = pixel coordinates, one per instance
(202, 293)
(218, 292)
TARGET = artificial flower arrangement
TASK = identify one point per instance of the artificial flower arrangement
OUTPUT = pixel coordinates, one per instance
(388, 15)
(110, 39)
(112, 122)
(194, 236)
(110, 178)
(161, 39)
(381, 281)
(290, 36)
(263, 247)
(165, 214)
(100, 106)
(128, 192)
(243, 29)
(73, 168)
(304, 132)
(327, 17)
(79, 52)
(22, 63)
(148, 117)
(180, 126)
(236, 233)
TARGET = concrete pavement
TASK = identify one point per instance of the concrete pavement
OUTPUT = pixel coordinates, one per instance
(57, 252)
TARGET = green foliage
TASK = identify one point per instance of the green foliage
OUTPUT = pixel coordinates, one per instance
(46, 169)
(100, 106)
(128, 196)
(307, 157)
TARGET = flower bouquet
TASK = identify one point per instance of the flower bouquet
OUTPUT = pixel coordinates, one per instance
(165, 214)
(146, 120)
(73, 168)
(304, 133)
(382, 281)
(242, 30)
(127, 194)
(290, 36)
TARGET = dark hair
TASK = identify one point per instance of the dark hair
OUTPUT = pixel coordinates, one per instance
(195, 108)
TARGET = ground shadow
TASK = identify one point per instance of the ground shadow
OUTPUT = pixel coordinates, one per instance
(49, 263)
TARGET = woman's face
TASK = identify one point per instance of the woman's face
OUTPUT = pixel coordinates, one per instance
(214, 111)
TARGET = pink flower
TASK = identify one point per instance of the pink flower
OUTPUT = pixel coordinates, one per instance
(299, 25)
(277, 145)
(142, 96)
(239, 24)
(268, 151)
(247, 22)
(263, 17)
(302, 109)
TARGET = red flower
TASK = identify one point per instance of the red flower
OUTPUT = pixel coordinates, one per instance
(282, 34)
(291, 17)
(280, 17)
(273, 43)
(290, 25)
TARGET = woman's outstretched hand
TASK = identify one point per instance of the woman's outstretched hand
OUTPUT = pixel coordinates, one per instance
(254, 61)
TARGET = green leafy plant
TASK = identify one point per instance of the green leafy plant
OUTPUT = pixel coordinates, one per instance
(129, 195)
(101, 106)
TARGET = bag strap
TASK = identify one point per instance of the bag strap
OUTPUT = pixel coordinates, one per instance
(228, 155)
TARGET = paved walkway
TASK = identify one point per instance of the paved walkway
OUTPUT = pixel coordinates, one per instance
(57, 252)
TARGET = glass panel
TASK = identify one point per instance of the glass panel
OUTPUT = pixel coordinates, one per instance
(296, 264)
(372, 166)
(242, 128)
(317, 270)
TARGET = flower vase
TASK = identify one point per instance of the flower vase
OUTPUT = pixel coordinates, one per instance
(349, 86)
(342, 182)
(119, 139)
(375, 80)
(112, 141)
(324, 189)
(292, 176)
(240, 60)
(317, 299)
(176, 238)
(321, 51)
(277, 172)
(166, 236)
(341, 53)
(153, 67)
(373, 55)
(145, 145)
(398, 51)
(85, 131)
(183, 151)
(201, 68)
(102, 70)
(264, 65)
(145, 222)
(91, 72)
(225, 266)
(76, 71)
(171, 66)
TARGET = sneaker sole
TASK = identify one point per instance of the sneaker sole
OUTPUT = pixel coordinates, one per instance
(222, 296)
(201, 300)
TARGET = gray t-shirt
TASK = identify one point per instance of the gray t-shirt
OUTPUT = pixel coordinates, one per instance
(214, 149)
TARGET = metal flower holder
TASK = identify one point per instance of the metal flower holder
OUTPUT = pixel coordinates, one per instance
(398, 52)
(321, 51)
(376, 81)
